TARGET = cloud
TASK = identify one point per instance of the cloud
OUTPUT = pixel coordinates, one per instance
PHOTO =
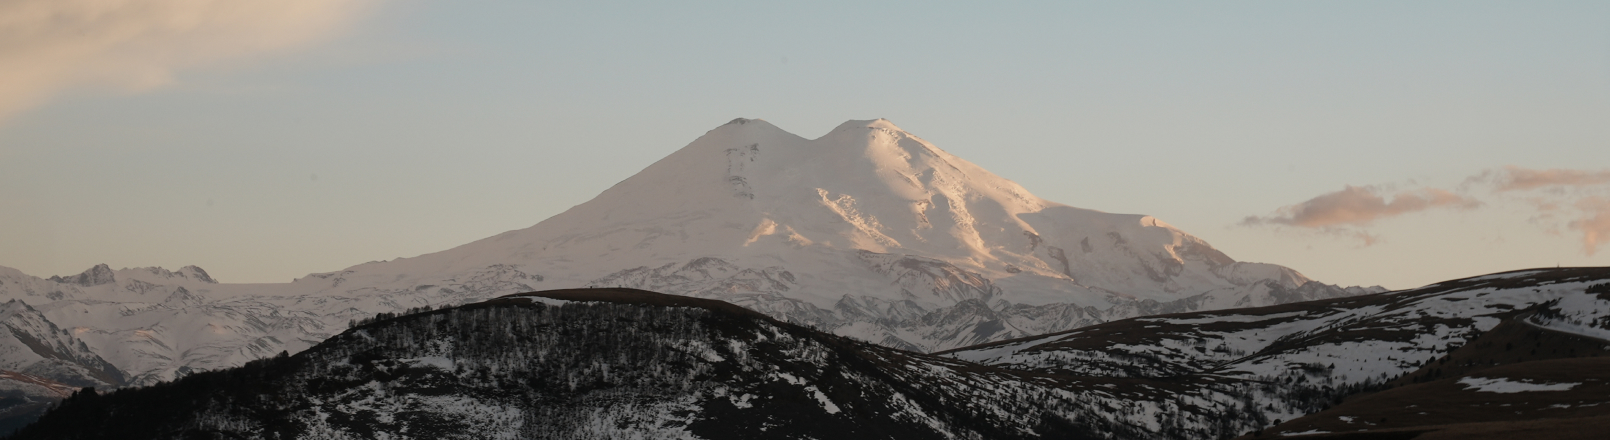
(1348, 212)
(50, 46)
(1359, 206)
(1514, 178)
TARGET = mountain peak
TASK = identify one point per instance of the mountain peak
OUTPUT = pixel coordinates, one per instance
(100, 274)
(749, 124)
(759, 126)
(868, 123)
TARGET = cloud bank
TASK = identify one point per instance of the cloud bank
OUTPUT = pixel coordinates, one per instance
(50, 46)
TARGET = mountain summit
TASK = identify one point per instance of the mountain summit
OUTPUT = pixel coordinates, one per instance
(748, 191)
(867, 231)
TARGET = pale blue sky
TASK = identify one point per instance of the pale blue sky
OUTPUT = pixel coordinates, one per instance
(413, 126)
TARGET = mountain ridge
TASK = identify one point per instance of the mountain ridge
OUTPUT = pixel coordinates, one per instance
(626, 363)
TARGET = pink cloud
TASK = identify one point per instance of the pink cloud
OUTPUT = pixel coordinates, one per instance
(1360, 206)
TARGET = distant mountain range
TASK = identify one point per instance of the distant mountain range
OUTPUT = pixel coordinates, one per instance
(1510, 355)
(867, 232)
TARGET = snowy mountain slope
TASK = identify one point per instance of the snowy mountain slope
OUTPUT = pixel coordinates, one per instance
(31, 344)
(1355, 342)
(156, 327)
(622, 363)
(867, 231)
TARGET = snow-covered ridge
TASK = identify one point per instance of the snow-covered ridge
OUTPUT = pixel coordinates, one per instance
(1343, 343)
(867, 231)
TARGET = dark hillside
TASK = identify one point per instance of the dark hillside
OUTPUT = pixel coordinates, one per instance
(632, 363)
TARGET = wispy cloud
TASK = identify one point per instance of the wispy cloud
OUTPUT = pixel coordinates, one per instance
(49, 46)
(1514, 178)
(1359, 206)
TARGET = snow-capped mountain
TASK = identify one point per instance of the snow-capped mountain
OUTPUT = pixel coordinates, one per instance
(867, 231)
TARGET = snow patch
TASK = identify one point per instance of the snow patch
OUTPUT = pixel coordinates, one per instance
(821, 398)
(439, 362)
(549, 301)
(1506, 386)
(1226, 318)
